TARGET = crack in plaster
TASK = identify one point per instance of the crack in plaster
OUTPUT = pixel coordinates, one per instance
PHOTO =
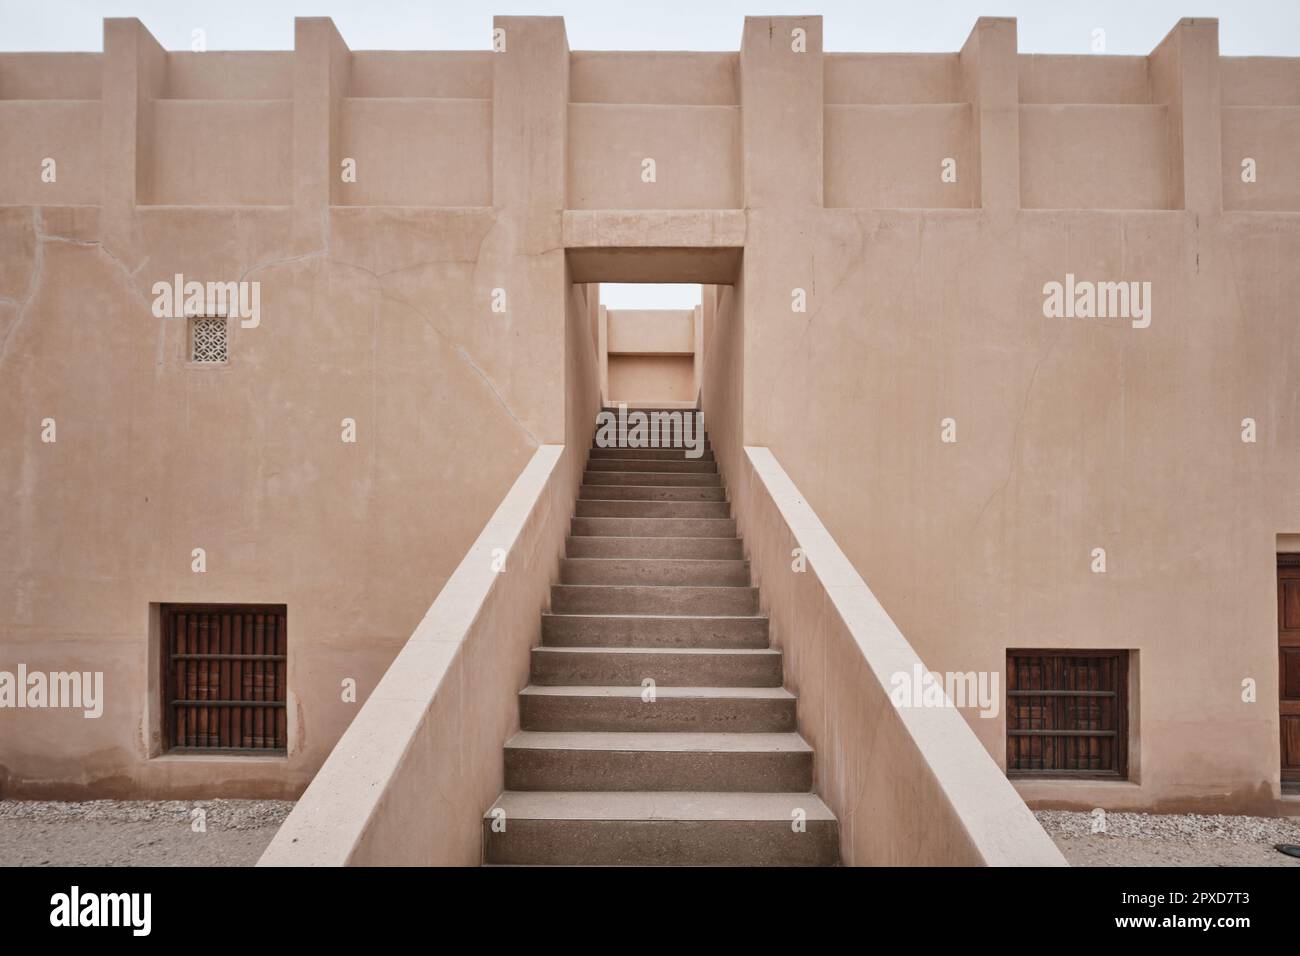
(41, 238)
(457, 348)
(33, 285)
(849, 272)
(324, 253)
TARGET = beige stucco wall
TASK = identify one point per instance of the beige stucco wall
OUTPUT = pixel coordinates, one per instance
(885, 79)
(650, 356)
(1072, 434)
(379, 315)
(910, 786)
(892, 156)
(1268, 135)
(695, 151)
(433, 74)
(1259, 81)
(64, 130)
(155, 458)
(51, 76)
(677, 78)
(1083, 78)
(723, 393)
(221, 153)
(418, 152)
(1093, 157)
(412, 774)
(581, 380)
(655, 331)
(648, 379)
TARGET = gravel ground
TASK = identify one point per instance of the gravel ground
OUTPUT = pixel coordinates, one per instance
(1173, 839)
(137, 832)
(160, 833)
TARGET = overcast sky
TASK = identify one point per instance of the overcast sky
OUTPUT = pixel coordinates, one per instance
(1246, 27)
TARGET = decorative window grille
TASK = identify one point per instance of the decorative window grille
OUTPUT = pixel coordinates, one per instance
(1067, 713)
(208, 339)
(224, 678)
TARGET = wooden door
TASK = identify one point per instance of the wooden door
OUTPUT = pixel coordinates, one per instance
(1288, 661)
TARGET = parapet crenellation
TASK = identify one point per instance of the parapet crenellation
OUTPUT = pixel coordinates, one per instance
(779, 121)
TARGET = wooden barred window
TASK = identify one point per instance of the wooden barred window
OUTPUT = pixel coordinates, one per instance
(1067, 713)
(224, 678)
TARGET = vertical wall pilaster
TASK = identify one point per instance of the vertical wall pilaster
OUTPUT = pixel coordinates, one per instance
(699, 353)
(709, 303)
(602, 350)
(782, 104)
(530, 101)
(1185, 78)
(321, 74)
(782, 101)
(591, 292)
(991, 82)
(134, 74)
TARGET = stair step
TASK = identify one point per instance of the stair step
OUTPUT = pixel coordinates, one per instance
(643, 429)
(667, 667)
(651, 493)
(653, 631)
(652, 599)
(639, 828)
(703, 765)
(650, 465)
(634, 407)
(766, 763)
(655, 527)
(631, 546)
(659, 454)
(651, 509)
(642, 478)
(601, 438)
(736, 710)
(655, 571)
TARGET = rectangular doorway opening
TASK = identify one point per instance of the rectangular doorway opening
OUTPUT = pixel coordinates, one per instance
(666, 326)
(651, 344)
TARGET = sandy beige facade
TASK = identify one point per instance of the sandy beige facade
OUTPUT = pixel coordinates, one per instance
(875, 232)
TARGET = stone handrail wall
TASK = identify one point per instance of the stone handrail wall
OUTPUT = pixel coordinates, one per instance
(911, 786)
(409, 780)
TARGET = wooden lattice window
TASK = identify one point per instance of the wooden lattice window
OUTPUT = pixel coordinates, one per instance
(224, 677)
(1067, 713)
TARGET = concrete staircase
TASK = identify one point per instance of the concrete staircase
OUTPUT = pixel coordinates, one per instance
(711, 771)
